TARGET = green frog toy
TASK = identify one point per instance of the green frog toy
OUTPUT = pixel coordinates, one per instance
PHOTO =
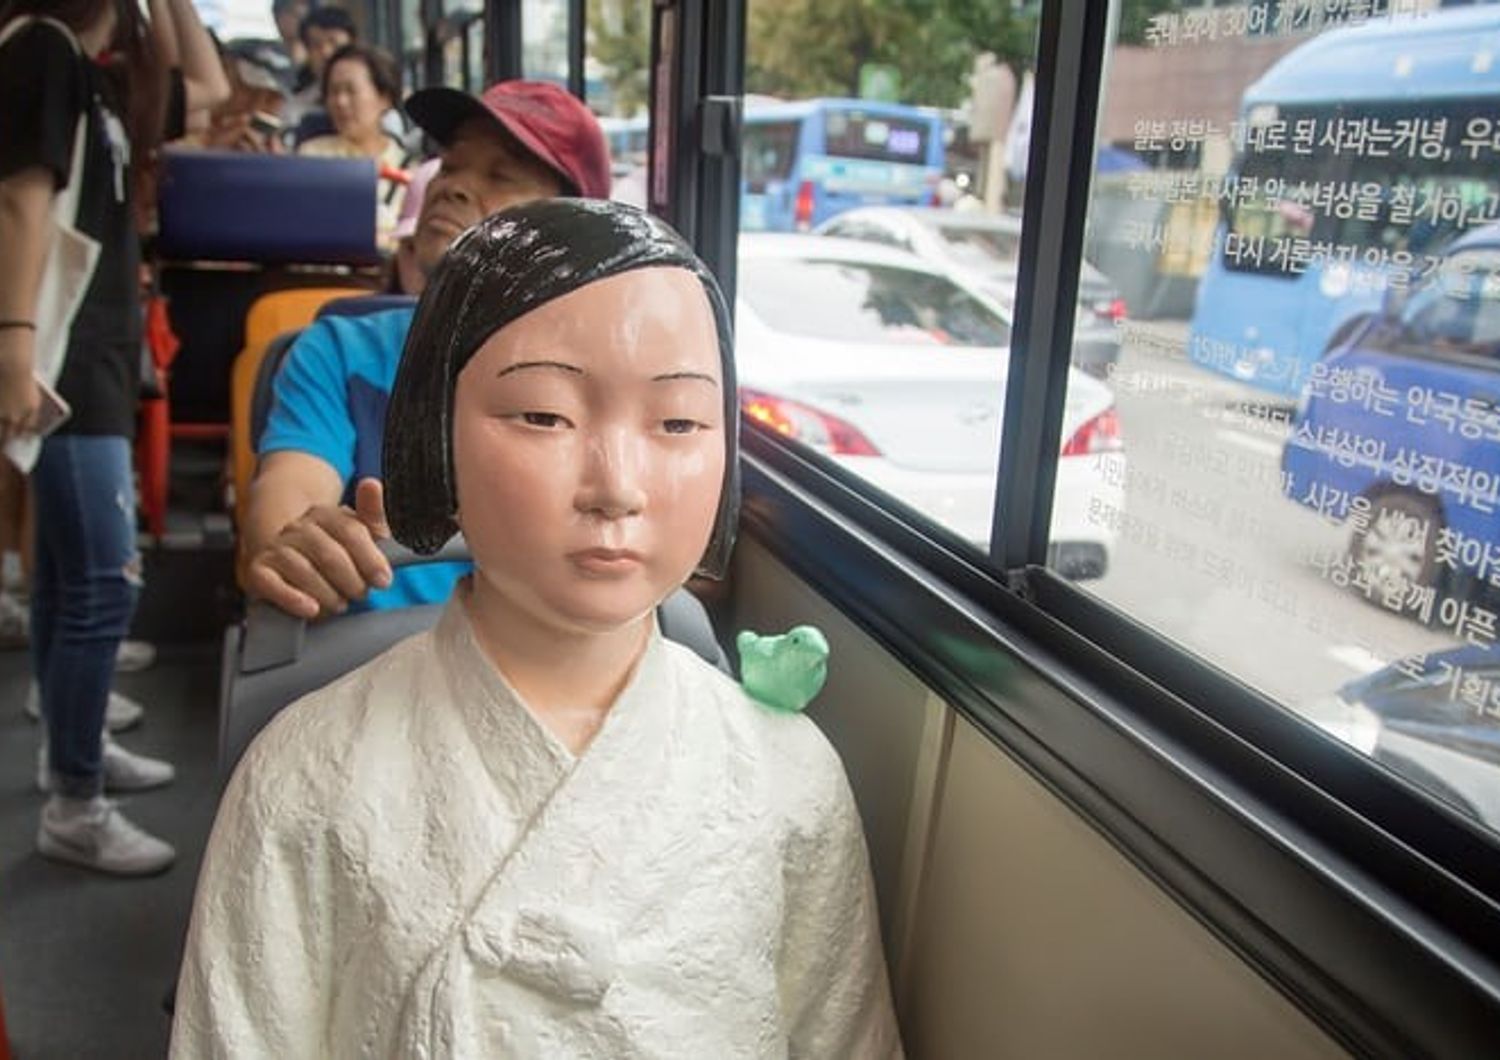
(783, 671)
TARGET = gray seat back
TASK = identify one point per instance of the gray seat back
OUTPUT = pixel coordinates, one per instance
(273, 658)
(263, 392)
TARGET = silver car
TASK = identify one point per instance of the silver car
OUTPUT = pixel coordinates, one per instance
(984, 250)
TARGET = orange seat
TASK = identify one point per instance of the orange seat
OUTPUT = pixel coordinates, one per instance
(269, 316)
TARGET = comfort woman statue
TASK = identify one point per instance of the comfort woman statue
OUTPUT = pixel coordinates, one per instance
(541, 830)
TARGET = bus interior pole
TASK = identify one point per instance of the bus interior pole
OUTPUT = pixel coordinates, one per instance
(697, 78)
(502, 43)
(577, 16)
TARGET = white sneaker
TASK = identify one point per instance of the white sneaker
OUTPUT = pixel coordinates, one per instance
(121, 714)
(15, 622)
(134, 655)
(123, 770)
(96, 835)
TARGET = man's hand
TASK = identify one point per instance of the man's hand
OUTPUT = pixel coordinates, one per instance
(326, 557)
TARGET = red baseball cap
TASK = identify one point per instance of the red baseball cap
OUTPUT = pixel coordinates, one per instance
(548, 121)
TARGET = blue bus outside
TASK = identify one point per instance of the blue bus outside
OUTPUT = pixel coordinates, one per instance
(804, 162)
(1398, 435)
(1361, 154)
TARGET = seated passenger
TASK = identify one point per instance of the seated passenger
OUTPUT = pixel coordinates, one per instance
(360, 84)
(406, 275)
(322, 31)
(308, 532)
(541, 830)
(250, 118)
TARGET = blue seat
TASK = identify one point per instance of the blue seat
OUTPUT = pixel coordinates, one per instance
(266, 209)
(269, 215)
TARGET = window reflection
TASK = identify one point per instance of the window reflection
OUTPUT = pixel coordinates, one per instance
(1309, 242)
(855, 302)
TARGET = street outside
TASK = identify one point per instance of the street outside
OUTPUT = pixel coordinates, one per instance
(1211, 553)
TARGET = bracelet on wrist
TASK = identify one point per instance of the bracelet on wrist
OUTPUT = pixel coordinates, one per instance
(28, 325)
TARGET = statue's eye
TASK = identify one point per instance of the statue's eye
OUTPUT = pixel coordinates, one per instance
(543, 419)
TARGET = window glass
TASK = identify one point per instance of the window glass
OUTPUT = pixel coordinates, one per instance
(617, 71)
(544, 40)
(982, 245)
(856, 134)
(413, 40)
(1457, 309)
(853, 302)
(459, 33)
(1298, 206)
(891, 359)
(768, 150)
(616, 82)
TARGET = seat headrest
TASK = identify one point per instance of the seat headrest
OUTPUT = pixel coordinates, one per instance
(268, 209)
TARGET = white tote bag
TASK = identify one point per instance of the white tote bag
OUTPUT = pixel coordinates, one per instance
(70, 261)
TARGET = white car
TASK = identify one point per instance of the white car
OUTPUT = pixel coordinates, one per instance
(984, 250)
(898, 372)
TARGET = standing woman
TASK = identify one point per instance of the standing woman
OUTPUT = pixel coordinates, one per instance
(360, 84)
(101, 60)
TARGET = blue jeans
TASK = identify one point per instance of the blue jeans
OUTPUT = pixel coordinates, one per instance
(84, 592)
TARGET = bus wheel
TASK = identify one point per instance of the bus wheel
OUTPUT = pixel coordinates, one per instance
(1396, 551)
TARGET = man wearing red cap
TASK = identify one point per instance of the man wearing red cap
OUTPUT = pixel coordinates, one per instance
(315, 507)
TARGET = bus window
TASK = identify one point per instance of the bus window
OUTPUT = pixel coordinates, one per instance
(1359, 154)
(806, 162)
(768, 151)
(855, 302)
(1314, 483)
(983, 247)
(853, 134)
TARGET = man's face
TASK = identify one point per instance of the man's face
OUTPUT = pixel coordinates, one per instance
(288, 19)
(321, 44)
(483, 170)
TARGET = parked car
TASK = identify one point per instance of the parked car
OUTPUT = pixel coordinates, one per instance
(1398, 433)
(984, 250)
(898, 372)
(1434, 719)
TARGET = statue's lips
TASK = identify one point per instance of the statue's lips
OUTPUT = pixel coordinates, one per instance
(606, 560)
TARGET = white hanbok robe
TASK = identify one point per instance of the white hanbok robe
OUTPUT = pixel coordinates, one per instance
(409, 864)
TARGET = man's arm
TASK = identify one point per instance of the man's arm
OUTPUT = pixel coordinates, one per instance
(304, 551)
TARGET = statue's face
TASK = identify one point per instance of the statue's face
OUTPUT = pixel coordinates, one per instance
(588, 444)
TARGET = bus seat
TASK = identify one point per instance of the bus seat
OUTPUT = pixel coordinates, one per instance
(269, 363)
(270, 316)
(358, 305)
(263, 390)
(268, 209)
(274, 658)
(235, 227)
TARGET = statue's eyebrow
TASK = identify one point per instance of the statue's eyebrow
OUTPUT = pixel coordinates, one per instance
(561, 365)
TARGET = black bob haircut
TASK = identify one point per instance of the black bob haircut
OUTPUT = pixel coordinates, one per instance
(493, 274)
